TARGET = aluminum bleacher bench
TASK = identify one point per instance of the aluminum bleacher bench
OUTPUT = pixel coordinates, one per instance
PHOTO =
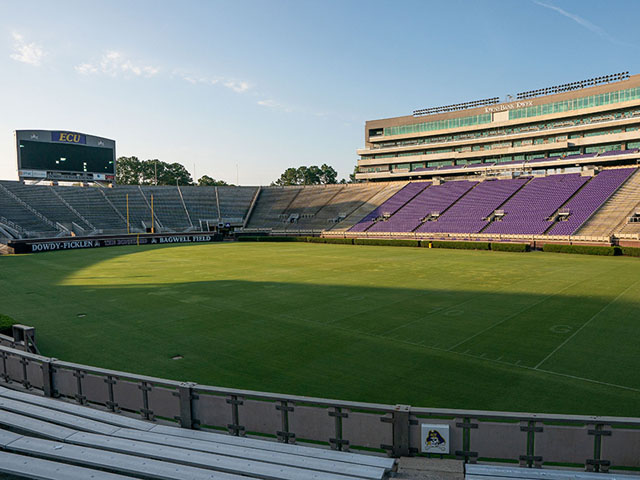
(130, 423)
(29, 467)
(494, 472)
(240, 456)
(89, 457)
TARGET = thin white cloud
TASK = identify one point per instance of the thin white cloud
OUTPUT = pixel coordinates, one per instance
(29, 53)
(237, 86)
(583, 22)
(270, 103)
(114, 63)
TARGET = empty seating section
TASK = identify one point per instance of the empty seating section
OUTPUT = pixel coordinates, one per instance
(612, 217)
(372, 196)
(589, 199)
(341, 205)
(168, 207)
(561, 204)
(307, 204)
(90, 203)
(391, 206)
(271, 206)
(469, 214)
(527, 212)
(139, 211)
(235, 202)
(201, 203)
(433, 200)
(50, 439)
(17, 213)
(43, 200)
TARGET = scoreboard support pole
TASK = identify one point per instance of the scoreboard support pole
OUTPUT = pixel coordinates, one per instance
(128, 231)
(153, 223)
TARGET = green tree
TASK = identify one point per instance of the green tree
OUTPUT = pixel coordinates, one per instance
(304, 175)
(207, 181)
(128, 171)
(133, 171)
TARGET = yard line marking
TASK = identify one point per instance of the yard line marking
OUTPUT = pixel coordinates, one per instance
(441, 309)
(514, 314)
(584, 325)
(550, 372)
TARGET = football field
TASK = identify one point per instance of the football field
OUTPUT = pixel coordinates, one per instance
(536, 332)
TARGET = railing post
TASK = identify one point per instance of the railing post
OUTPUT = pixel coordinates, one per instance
(80, 398)
(111, 403)
(466, 454)
(400, 431)
(5, 372)
(596, 463)
(338, 443)
(530, 459)
(235, 428)
(24, 361)
(284, 435)
(146, 412)
(48, 386)
(186, 396)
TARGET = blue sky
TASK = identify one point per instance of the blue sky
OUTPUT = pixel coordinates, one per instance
(249, 88)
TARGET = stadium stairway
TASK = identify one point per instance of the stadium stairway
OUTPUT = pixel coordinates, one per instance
(614, 213)
(46, 438)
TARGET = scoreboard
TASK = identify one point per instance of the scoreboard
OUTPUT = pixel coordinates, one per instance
(66, 156)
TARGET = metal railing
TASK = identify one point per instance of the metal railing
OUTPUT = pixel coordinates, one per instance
(596, 443)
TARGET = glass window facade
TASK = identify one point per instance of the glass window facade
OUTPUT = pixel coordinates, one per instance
(576, 104)
(439, 124)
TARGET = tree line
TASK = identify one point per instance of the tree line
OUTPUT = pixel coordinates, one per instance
(133, 171)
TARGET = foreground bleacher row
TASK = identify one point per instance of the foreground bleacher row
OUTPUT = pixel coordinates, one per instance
(49, 439)
(598, 204)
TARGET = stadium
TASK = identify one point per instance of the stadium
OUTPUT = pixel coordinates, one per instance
(481, 267)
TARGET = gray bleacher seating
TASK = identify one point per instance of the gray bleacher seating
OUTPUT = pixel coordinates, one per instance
(271, 206)
(17, 213)
(168, 207)
(201, 204)
(495, 472)
(92, 438)
(90, 203)
(235, 202)
(42, 199)
(139, 211)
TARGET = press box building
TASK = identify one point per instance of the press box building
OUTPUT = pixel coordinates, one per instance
(587, 123)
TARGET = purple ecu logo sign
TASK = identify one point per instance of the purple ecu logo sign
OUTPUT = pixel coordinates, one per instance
(68, 137)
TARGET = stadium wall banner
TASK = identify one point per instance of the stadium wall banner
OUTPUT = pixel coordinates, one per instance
(76, 243)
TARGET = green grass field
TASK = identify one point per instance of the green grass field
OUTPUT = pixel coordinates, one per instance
(535, 332)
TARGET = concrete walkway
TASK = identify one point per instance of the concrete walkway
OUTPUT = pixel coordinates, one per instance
(430, 468)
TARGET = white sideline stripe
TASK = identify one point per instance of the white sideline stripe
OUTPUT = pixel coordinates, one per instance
(584, 325)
